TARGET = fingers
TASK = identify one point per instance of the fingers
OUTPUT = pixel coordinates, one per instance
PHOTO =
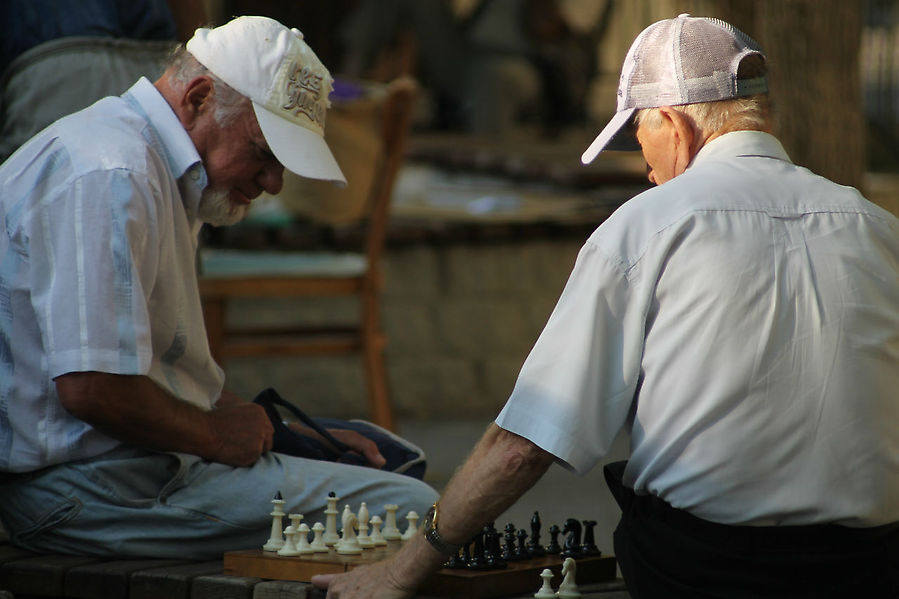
(322, 580)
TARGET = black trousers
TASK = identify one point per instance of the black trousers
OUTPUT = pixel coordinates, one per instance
(667, 553)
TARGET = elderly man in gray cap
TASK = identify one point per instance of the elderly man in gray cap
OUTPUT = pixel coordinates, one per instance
(741, 321)
(116, 436)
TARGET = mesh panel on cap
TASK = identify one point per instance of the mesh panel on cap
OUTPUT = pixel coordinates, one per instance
(683, 61)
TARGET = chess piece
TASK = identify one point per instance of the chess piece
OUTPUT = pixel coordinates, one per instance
(349, 544)
(509, 546)
(568, 589)
(478, 561)
(535, 549)
(493, 553)
(546, 591)
(302, 540)
(330, 536)
(456, 561)
(572, 545)
(276, 538)
(554, 548)
(318, 541)
(289, 548)
(391, 532)
(377, 538)
(292, 532)
(521, 551)
(363, 537)
(412, 530)
(588, 547)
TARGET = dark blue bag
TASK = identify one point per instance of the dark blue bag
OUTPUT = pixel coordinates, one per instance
(402, 456)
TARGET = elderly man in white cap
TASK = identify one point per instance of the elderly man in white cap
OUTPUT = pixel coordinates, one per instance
(741, 322)
(116, 436)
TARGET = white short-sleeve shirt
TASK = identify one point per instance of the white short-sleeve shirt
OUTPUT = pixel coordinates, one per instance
(97, 270)
(742, 321)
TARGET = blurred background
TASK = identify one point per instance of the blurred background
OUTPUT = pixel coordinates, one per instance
(490, 204)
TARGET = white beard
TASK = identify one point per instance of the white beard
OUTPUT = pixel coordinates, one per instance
(216, 209)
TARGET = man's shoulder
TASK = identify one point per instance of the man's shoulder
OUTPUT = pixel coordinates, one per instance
(107, 135)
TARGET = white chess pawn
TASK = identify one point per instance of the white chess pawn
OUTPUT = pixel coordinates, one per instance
(362, 518)
(377, 538)
(318, 542)
(289, 548)
(302, 537)
(330, 536)
(412, 519)
(349, 544)
(546, 591)
(276, 538)
(568, 589)
(292, 533)
(391, 532)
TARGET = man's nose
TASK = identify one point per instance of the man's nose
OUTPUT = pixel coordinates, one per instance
(271, 179)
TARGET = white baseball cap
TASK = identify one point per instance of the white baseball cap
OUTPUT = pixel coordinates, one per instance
(284, 80)
(685, 60)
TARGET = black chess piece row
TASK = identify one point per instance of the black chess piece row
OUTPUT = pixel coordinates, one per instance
(485, 551)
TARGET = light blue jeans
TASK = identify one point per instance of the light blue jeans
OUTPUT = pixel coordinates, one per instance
(135, 503)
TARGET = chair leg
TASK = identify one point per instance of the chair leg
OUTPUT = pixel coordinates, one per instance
(373, 343)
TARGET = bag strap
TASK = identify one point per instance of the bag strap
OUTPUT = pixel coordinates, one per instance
(274, 397)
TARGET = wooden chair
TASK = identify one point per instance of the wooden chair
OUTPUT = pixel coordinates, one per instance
(232, 274)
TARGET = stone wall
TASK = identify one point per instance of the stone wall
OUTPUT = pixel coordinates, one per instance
(460, 319)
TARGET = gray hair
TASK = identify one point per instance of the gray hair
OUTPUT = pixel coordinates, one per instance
(229, 103)
(752, 113)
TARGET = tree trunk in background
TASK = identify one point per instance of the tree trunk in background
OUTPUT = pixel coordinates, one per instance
(813, 52)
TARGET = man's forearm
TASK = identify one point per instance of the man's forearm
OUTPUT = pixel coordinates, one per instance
(134, 410)
(501, 468)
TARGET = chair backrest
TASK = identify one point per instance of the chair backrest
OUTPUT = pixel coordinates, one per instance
(63, 76)
(367, 135)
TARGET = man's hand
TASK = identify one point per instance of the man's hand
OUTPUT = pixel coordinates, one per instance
(243, 433)
(352, 439)
(376, 581)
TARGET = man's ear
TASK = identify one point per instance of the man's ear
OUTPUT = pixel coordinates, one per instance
(196, 100)
(684, 135)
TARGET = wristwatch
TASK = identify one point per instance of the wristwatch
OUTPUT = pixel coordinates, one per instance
(433, 537)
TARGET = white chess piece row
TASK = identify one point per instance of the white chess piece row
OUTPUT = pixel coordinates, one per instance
(294, 540)
(567, 590)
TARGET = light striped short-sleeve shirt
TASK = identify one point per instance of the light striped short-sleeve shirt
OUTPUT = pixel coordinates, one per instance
(97, 270)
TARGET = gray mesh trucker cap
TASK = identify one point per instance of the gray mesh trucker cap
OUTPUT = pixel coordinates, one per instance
(685, 60)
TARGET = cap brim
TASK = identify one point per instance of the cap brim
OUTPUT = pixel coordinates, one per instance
(300, 150)
(614, 136)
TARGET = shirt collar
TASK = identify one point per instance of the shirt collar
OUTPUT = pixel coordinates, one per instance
(181, 153)
(740, 144)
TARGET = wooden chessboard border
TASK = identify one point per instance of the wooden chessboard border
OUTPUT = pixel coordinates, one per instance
(517, 578)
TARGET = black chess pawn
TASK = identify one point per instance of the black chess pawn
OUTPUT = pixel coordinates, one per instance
(478, 560)
(465, 558)
(572, 547)
(493, 553)
(509, 546)
(456, 561)
(554, 548)
(535, 549)
(521, 551)
(588, 547)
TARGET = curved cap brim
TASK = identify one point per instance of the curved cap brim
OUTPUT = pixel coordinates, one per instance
(300, 150)
(614, 136)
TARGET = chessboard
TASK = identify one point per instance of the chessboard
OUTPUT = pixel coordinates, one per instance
(518, 577)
